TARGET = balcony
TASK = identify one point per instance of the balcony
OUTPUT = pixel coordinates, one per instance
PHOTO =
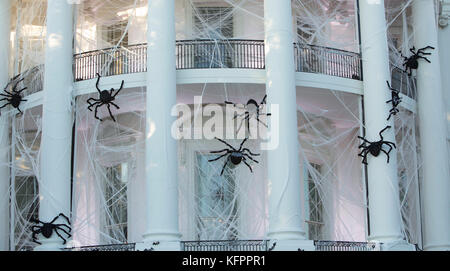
(216, 54)
(240, 245)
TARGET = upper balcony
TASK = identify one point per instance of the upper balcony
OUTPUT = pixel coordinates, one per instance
(216, 54)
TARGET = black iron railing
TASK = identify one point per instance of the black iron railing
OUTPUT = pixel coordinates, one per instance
(329, 61)
(225, 245)
(210, 54)
(344, 246)
(115, 247)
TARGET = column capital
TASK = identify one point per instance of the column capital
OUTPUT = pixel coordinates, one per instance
(444, 13)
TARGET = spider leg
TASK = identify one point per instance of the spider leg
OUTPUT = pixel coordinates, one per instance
(66, 231)
(109, 109)
(219, 151)
(96, 108)
(60, 236)
(223, 168)
(387, 154)
(242, 144)
(20, 91)
(264, 99)
(9, 96)
(381, 132)
(19, 110)
(215, 159)
(248, 156)
(363, 154)
(35, 237)
(426, 59)
(96, 84)
(121, 87)
(390, 143)
(224, 142)
(115, 105)
(245, 162)
(365, 140)
(247, 150)
(91, 105)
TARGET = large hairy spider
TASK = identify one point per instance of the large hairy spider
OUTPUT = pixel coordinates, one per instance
(412, 63)
(395, 100)
(235, 156)
(105, 97)
(375, 147)
(252, 108)
(47, 228)
(14, 97)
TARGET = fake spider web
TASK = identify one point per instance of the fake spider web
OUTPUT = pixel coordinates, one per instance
(108, 189)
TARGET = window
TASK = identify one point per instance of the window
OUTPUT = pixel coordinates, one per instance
(116, 202)
(313, 203)
(214, 24)
(216, 201)
(116, 36)
(27, 207)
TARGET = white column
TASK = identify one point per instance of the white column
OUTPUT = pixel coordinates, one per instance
(5, 11)
(433, 131)
(160, 147)
(56, 143)
(384, 202)
(285, 214)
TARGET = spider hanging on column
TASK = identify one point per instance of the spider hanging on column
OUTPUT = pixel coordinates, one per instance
(13, 97)
(47, 228)
(105, 98)
(412, 62)
(375, 147)
(395, 100)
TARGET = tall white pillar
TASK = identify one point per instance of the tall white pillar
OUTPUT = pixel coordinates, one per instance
(383, 201)
(160, 146)
(433, 132)
(5, 11)
(285, 214)
(57, 121)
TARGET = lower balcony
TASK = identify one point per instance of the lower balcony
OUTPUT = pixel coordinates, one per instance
(240, 245)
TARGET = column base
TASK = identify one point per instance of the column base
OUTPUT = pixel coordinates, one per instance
(159, 246)
(50, 245)
(291, 245)
(437, 247)
(401, 245)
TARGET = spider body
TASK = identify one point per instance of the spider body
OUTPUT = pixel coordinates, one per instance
(47, 228)
(252, 108)
(395, 100)
(106, 97)
(412, 62)
(376, 147)
(235, 156)
(13, 97)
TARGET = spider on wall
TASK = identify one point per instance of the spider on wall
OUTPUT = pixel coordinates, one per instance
(105, 98)
(13, 97)
(235, 156)
(375, 147)
(412, 62)
(252, 108)
(47, 229)
(395, 100)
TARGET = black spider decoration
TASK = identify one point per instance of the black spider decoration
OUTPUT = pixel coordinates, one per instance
(251, 108)
(412, 62)
(395, 100)
(105, 97)
(14, 97)
(235, 156)
(47, 228)
(375, 147)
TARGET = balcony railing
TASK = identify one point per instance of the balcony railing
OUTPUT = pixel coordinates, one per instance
(115, 247)
(329, 61)
(226, 245)
(209, 54)
(239, 245)
(344, 246)
(401, 81)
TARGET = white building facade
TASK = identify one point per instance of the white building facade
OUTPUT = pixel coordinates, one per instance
(325, 70)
